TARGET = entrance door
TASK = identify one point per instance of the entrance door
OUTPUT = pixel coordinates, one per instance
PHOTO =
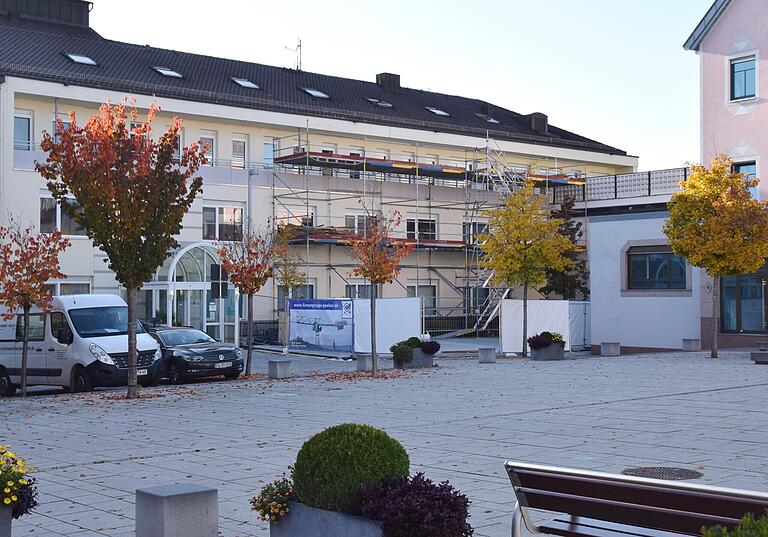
(188, 308)
(220, 316)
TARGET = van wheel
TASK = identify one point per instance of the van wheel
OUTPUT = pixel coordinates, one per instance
(7, 388)
(175, 375)
(81, 381)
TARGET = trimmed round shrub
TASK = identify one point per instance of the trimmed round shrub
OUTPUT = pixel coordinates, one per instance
(334, 464)
(413, 342)
(402, 353)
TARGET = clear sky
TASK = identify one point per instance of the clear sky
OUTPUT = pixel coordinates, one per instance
(612, 70)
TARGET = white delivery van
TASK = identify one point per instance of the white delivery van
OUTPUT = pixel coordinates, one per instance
(81, 343)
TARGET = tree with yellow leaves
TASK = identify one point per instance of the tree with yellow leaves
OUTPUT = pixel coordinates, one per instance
(523, 242)
(716, 225)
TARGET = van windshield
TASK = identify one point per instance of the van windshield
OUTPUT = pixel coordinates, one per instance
(106, 321)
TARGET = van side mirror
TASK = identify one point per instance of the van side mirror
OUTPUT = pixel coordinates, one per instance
(64, 336)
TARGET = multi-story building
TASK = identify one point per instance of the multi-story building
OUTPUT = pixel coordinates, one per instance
(285, 146)
(734, 76)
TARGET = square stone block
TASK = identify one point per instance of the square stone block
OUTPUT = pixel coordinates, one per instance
(175, 510)
(691, 345)
(486, 355)
(364, 362)
(759, 357)
(610, 348)
(279, 369)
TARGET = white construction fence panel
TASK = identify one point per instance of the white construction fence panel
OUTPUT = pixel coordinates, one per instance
(396, 319)
(549, 315)
(579, 321)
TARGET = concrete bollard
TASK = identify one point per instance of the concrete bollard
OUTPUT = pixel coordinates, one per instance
(486, 355)
(5, 521)
(174, 510)
(364, 362)
(610, 348)
(691, 345)
(279, 369)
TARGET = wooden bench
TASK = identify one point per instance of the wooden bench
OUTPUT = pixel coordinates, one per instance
(595, 504)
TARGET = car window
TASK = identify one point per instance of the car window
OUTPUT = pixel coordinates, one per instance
(185, 337)
(58, 323)
(36, 327)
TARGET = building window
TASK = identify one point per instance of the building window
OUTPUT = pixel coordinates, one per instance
(314, 92)
(68, 288)
(53, 218)
(222, 223)
(655, 267)
(428, 295)
(22, 131)
(749, 169)
(437, 111)
(360, 290)
(379, 102)
(742, 78)
(742, 304)
(472, 229)
(427, 229)
(209, 138)
(358, 224)
(303, 292)
(239, 151)
(80, 58)
(269, 153)
(167, 71)
(295, 216)
(245, 83)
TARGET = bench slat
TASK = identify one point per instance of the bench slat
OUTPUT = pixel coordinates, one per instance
(576, 526)
(704, 503)
(625, 513)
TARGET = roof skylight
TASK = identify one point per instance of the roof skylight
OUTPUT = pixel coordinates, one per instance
(167, 71)
(487, 118)
(437, 111)
(316, 93)
(80, 58)
(244, 82)
(378, 102)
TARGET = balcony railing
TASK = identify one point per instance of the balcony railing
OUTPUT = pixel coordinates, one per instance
(625, 185)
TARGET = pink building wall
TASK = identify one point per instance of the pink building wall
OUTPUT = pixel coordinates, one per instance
(739, 129)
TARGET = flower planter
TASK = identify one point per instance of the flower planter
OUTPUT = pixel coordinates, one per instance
(420, 359)
(553, 352)
(305, 521)
(5, 521)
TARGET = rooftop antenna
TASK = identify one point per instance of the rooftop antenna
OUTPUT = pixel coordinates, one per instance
(297, 50)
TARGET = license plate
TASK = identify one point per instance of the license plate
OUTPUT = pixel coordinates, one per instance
(222, 365)
(142, 372)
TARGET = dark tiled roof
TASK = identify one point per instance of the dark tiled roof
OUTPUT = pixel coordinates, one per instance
(35, 49)
(707, 22)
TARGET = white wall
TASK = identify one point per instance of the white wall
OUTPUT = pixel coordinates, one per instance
(543, 315)
(637, 321)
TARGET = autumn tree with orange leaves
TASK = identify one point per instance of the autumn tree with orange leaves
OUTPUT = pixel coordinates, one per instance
(249, 265)
(27, 261)
(379, 256)
(132, 192)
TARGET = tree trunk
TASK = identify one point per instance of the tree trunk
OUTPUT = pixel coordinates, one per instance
(525, 320)
(374, 358)
(133, 384)
(715, 315)
(249, 356)
(25, 351)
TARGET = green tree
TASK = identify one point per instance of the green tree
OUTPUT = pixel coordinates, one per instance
(574, 281)
(132, 192)
(523, 241)
(716, 225)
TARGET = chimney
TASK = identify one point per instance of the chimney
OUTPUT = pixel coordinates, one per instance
(67, 11)
(388, 81)
(539, 123)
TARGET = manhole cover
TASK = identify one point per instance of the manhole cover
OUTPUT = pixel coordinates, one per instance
(662, 472)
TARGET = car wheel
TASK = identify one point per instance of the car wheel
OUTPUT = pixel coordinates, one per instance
(7, 388)
(81, 381)
(232, 376)
(175, 376)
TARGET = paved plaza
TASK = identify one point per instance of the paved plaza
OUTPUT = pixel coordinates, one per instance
(459, 421)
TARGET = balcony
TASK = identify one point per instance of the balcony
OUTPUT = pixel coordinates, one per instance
(659, 184)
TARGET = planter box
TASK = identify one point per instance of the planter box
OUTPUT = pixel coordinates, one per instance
(486, 355)
(691, 345)
(610, 348)
(5, 521)
(364, 362)
(419, 360)
(305, 521)
(553, 352)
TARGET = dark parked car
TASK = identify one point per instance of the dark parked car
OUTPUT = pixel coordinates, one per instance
(190, 353)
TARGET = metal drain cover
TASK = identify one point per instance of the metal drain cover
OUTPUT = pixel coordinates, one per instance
(662, 472)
